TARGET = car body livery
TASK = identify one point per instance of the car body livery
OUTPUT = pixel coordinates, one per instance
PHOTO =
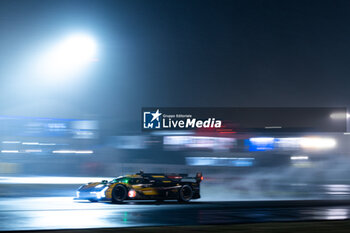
(143, 186)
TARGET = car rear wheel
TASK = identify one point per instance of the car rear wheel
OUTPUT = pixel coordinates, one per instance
(119, 194)
(185, 193)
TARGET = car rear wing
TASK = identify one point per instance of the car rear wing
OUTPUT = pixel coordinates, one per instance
(162, 174)
(174, 176)
(183, 177)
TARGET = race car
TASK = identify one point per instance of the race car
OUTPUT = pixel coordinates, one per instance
(143, 186)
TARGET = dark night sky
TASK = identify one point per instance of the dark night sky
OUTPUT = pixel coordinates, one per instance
(185, 53)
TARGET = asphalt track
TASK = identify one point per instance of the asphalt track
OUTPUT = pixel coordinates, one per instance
(65, 213)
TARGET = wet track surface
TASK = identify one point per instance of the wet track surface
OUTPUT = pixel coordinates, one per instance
(64, 213)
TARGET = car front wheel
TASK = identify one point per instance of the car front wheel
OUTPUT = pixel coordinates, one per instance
(119, 194)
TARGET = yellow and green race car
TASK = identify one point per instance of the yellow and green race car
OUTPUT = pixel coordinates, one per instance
(143, 186)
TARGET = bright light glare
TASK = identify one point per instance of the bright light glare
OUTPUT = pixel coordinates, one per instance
(339, 115)
(318, 143)
(262, 140)
(30, 143)
(299, 157)
(68, 57)
(9, 151)
(75, 50)
(47, 144)
(73, 152)
(33, 151)
(11, 142)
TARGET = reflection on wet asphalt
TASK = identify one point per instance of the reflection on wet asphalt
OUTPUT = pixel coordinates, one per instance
(63, 212)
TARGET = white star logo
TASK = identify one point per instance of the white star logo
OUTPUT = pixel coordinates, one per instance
(156, 115)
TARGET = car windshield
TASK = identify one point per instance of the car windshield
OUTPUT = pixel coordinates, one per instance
(116, 180)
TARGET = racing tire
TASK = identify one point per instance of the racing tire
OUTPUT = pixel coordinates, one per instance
(119, 194)
(185, 193)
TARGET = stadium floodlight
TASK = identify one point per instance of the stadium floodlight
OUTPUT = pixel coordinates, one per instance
(68, 57)
(75, 50)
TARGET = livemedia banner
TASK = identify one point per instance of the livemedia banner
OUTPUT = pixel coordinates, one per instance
(245, 119)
